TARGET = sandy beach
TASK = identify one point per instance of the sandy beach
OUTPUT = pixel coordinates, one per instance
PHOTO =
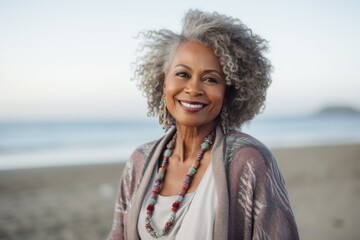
(77, 202)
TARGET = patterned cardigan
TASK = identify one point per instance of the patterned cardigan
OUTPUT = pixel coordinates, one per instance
(252, 199)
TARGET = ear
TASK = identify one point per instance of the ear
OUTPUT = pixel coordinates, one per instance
(164, 86)
(164, 77)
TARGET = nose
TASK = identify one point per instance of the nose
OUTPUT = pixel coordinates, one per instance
(193, 86)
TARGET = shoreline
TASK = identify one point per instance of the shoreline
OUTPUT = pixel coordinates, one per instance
(76, 202)
(122, 158)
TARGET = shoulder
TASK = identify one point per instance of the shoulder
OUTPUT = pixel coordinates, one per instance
(250, 161)
(140, 156)
(145, 149)
(246, 153)
(241, 144)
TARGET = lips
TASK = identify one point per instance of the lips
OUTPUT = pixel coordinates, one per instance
(192, 106)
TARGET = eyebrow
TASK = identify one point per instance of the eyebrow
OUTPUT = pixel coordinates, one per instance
(206, 71)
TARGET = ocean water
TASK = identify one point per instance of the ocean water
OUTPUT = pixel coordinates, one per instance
(42, 144)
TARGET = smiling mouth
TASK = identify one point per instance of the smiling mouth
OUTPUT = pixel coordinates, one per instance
(195, 106)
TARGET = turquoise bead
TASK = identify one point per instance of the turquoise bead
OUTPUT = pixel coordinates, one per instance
(192, 170)
(167, 153)
(152, 201)
(160, 175)
(205, 145)
(179, 198)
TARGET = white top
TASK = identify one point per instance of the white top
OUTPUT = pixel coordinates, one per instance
(195, 217)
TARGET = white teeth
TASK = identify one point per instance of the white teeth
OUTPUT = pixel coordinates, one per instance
(188, 105)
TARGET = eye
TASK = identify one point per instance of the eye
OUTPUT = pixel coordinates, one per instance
(211, 80)
(182, 75)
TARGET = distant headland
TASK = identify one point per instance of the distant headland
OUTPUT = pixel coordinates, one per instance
(338, 111)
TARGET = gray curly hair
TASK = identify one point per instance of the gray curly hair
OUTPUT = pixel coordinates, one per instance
(240, 53)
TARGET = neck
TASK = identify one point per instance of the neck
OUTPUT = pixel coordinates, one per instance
(189, 139)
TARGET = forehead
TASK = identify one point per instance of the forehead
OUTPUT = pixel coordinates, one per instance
(195, 55)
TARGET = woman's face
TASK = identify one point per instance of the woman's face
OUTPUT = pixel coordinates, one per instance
(194, 85)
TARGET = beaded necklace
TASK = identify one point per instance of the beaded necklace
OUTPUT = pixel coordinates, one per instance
(185, 186)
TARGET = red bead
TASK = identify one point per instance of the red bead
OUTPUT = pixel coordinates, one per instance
(148, 225)
(175, 206)
(150, 207)
(168, 226)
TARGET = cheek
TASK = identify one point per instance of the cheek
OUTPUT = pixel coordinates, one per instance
(219, 96)
(171, 88)
(168, 85)
(170, 92)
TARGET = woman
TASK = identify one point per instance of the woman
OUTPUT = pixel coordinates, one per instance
(203, 179)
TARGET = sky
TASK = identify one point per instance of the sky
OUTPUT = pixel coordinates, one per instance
(66, 60)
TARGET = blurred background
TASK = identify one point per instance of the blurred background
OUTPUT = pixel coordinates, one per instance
(70, 116)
